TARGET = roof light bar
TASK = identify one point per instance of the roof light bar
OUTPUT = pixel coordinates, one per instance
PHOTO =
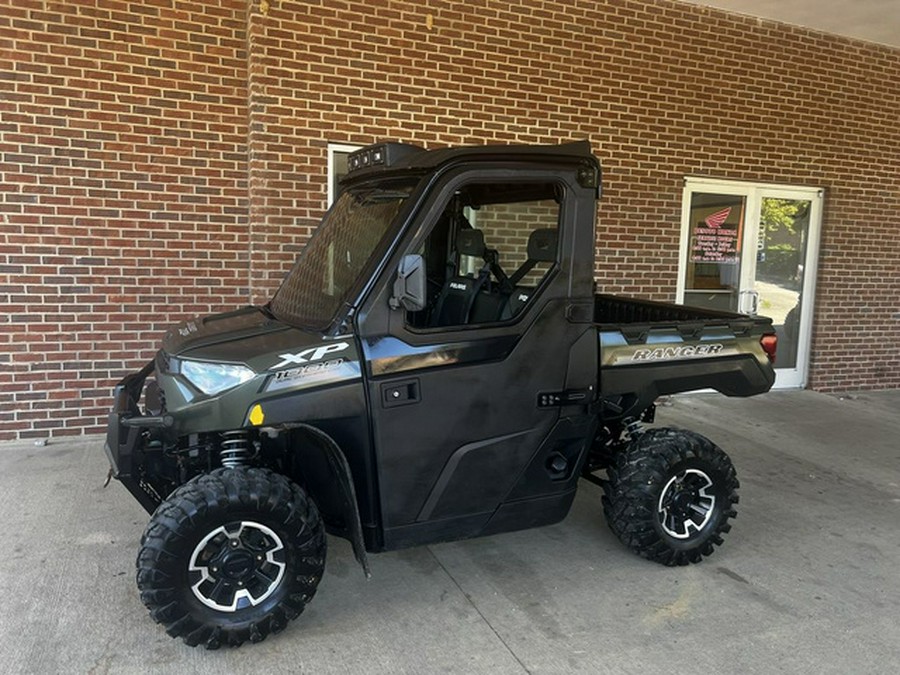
(380, 155)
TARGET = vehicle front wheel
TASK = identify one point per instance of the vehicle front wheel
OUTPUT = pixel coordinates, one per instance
(670, 495)
(231, 556)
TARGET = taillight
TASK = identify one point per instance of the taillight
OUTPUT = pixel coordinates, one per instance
(769, 344)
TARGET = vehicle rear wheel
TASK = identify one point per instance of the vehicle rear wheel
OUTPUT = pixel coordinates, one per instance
(231, 556)
(670, 495)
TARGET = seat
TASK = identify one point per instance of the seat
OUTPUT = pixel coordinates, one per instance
(488, 306)
(454, 303)
(542, 246)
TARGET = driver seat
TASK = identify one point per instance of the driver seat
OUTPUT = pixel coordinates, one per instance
(454, 304)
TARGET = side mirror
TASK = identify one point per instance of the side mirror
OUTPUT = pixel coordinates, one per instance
(409, 287)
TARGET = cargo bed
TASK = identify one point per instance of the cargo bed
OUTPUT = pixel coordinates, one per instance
(650, 349)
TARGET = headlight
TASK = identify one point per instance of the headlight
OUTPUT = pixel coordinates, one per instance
(213, 378)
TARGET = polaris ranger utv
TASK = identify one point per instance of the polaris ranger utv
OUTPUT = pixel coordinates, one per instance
(436, 366)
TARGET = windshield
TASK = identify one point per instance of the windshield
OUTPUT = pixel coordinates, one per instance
(330, 265)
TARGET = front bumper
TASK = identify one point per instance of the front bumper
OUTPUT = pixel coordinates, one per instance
(126, 437)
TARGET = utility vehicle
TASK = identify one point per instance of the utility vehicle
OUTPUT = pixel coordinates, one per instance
(436, 366)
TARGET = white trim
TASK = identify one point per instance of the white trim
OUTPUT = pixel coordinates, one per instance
(810, 273)
(333, 148)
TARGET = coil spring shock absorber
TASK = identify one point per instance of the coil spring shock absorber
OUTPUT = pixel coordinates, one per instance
(234, 449)
(633, 428)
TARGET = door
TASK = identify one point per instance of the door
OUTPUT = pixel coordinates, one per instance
(752, 248)
(464, 421)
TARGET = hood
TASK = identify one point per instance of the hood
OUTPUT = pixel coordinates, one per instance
(285, 360)
(252, 337)
(218, 328)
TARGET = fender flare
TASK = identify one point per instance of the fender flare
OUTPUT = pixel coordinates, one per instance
(330, 457)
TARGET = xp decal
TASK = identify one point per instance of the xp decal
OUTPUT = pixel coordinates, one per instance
(309, 355)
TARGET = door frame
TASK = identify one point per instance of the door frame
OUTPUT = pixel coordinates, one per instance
(786, 378)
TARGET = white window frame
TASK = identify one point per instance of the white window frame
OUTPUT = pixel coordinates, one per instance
(334, 148)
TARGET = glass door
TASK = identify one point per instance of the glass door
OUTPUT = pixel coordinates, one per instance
(714, 261)
(752, 248)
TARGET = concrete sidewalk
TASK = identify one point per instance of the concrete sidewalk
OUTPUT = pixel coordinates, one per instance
(808, 581)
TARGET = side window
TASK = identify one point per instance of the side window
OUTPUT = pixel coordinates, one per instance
(488, 253)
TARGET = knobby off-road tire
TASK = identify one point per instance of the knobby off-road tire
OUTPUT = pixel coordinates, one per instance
(231, 556)
(670, 495)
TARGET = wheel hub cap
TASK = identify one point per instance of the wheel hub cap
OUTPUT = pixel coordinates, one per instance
(686, 504)
(237, 565)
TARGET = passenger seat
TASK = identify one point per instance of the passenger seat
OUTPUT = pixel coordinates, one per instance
(541, 248)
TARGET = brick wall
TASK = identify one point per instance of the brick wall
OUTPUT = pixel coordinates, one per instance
(123, 198)
(153, 152)
(662, 90)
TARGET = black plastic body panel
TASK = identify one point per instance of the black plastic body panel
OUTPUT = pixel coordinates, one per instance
(460, 448)
(125, 439)
(732, 376)
(340, 411)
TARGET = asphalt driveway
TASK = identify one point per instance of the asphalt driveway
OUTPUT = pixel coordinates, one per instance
(808, 581)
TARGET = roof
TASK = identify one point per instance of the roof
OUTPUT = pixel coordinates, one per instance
(401, 157)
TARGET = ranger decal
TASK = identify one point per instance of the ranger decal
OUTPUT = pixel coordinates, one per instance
(685, 352)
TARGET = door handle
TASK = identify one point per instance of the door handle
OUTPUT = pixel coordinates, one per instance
(753, 297)
(400, 393)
